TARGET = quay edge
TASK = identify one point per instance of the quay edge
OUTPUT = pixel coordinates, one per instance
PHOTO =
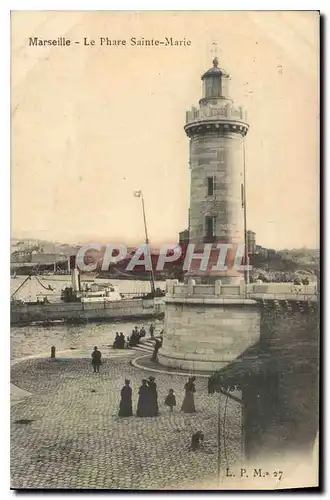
(77, 312)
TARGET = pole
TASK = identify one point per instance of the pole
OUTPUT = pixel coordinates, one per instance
(246, 272)
(21, 285)
(144, 220)
(152, 278)
(219, 439)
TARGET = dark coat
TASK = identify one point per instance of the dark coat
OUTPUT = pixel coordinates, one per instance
(96, 357)
(144, 406)
(188, 405)
(125, 406)
(170, 400)
(154, 398)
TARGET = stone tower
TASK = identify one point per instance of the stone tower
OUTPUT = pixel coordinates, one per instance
(216, 130)
(209, 320)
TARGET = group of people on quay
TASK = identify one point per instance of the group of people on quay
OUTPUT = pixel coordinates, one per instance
(133, 340)
(148, 399)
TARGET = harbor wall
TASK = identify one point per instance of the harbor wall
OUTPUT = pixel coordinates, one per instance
(77, 311)
(208, 326)
(284, 416)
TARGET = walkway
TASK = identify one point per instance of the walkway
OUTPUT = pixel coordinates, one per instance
(65, 433)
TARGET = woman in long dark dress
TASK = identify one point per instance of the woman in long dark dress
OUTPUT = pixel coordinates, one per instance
(125, 406)
(145, 401)
(188, 405)
(154, 397)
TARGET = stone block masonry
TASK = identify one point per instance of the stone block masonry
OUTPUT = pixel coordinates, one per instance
(219, 157)
(208, 336)
(208, 326)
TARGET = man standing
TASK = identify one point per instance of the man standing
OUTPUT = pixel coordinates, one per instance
(158, 345)
(96, 359)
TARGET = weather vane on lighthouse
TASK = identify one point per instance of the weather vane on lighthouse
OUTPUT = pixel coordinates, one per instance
(214, 52)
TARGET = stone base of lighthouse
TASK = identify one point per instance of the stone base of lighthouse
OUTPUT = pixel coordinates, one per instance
(207, 326)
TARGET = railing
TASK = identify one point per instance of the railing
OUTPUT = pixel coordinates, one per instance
(279, 291)
(223, 112)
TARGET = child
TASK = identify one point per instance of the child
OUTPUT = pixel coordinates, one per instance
(170, 399)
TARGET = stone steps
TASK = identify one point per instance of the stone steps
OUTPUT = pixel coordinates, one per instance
(144, 348)
(146, 345)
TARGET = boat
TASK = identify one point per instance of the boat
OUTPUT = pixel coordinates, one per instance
(101, 294)
(66, 277)
(82, 302)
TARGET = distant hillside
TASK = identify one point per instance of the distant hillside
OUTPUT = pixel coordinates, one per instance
(287, 264)
(27, 246)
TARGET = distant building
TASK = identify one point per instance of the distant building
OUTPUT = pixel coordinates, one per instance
(48, 259)
(19, 256)
(266, 253)
(251, 242)
(263, 252)
(184, 236)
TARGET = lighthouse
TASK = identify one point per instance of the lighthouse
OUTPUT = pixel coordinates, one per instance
(216, 129)
(209, 320)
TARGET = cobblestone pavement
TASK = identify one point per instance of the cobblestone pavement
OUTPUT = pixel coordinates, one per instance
(71, 437)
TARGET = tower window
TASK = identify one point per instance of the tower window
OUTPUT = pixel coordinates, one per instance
(212, 86)
(210, 186)
(210, 226)
(221, 154)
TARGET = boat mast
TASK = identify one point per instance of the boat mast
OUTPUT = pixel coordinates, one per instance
(20, 286)
(152, 278)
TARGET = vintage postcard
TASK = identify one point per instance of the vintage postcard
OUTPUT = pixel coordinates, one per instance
(165, 250)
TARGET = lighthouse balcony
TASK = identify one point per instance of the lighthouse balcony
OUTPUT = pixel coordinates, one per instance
(218, 112)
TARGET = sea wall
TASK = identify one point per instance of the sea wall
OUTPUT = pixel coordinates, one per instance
(208, 326)
(285, 417)
(77, 311)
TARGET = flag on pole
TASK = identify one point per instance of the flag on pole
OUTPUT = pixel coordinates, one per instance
(137, 193)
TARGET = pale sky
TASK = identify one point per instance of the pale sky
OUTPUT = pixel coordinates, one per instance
(92, 124)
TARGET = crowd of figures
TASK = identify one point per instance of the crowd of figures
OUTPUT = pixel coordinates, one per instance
(148, 396)
(133, 340)
(121, 342)
(148, 399)
(147, 405)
